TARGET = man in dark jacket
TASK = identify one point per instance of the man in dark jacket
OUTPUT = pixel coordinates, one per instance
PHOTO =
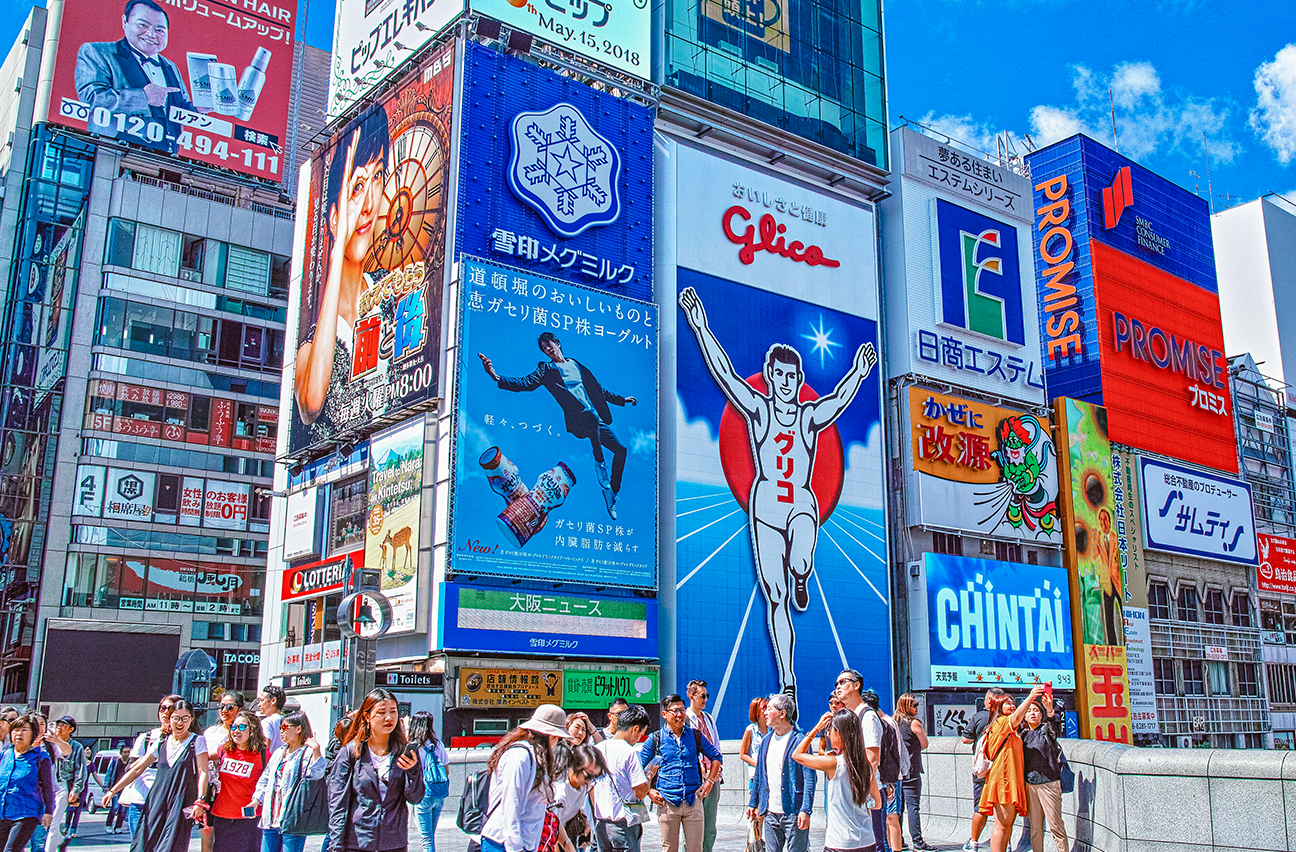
(585, 408)
(783, 794)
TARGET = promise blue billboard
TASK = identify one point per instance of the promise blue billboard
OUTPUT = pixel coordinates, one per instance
(554, 177)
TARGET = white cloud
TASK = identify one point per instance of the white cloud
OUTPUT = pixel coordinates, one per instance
(1274, 115)
(1131, 82)
(1049, 124)
(697, 452)
(963, 128)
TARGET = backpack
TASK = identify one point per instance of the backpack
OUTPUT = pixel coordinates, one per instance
(889, 771)
(474, 807)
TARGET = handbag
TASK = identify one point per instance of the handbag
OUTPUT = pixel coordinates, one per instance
(436, 780)
(1068, 774)
(549, 833)
(306, 810)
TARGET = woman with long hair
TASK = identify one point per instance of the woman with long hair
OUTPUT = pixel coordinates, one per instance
(132, 798)
(1042, 765)
(298, 758)
(436, 785)
(1004, 794)
(579, 728)
(372, 779)
(178, 788)
(914, 734)
(353, 197)
(751, 743)
(240, 761)
(26, 785)
(852, 785)
(522, 774)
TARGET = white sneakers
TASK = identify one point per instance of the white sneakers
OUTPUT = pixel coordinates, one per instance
(972, 846)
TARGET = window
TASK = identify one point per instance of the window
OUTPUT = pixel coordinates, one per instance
(1006, 552)
(1271, 616)
(947, 543)
(1248, 680)
(248, 270)
(1285, 740)
(1289, 621)
(1158, 600)
(156, 251)
(112, 319)
(1214, 608)
(148, 328)
(203, 631)
(191, 257)
(1218, 672)
(1194, 677)
(1241, 609)
(1187, 603)
(1164, 676)
(121, 242)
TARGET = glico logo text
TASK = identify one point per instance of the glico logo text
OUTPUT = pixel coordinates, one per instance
(771, 240)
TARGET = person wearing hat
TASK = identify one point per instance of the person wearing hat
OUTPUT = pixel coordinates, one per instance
(522, 770)
(71, 773)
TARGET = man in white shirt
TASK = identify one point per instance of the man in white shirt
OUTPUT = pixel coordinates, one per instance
(699, 718)
(614, 710)
(616, 827)
(850, 689)
(783, 794)
(270, 704)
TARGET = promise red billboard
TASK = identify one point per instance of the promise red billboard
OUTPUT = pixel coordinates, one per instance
(203, 79)
(1165, 379)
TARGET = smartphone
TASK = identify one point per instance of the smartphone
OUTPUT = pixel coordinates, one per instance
(411, 749)
(1048, 691)
(249, 811)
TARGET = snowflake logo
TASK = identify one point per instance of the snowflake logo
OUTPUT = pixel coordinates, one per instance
(564, 169)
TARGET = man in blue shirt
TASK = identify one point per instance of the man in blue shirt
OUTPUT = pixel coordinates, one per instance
(680, 784)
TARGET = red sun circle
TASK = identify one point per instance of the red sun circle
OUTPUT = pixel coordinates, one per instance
(740, 469)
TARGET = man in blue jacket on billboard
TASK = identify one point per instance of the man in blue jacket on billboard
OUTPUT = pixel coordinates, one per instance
(783, 794)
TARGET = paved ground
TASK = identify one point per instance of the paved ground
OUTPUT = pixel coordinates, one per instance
(93, 837)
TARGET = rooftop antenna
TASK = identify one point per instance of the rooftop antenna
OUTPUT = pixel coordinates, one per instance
(1112, 101)
(1209, 190)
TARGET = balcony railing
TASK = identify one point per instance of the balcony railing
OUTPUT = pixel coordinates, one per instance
(1186, 639)
(1198, 714)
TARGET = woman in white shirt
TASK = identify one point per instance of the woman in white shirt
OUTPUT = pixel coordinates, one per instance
(522, 776)
(300, 755)
(578, 768)
(132, 797)
(852, 785)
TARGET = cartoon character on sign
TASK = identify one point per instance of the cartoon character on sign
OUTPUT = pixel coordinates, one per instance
(1026, 494)
(784, 420)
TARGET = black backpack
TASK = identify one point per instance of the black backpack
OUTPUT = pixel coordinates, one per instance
(889, 771)
(474, 807)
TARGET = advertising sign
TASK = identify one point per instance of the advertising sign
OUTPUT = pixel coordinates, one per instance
(1106, 694)
(373, 39)
(191, 501)
(91, 483)
(596, 690)
(1138, 660)
(951, 720)
(545, 366)
(1199, 514)
(1129, 531)
(1277, 572)
(206, 81)
(521, 621)
(395, 513)
(555, 177)
(976, 622)
(970, 180)
(614, 33)
(225, 505)
(369, 330)
(981, 468)
(314, 580)
(776, 322)
(348, 512)
(509, 687)
(301, 532)
(130, 495)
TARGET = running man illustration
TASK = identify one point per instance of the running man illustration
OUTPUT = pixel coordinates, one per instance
(783, 430)
(585, 408)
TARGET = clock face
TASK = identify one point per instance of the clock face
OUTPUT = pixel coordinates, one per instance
(411, 221)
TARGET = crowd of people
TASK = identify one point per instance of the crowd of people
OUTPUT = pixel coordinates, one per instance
(261, 781)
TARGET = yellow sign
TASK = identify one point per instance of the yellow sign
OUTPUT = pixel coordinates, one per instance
(954, 438)
(1106, 691)
(509, 687)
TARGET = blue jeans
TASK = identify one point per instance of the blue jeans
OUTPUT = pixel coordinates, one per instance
(488, 845)
(429, 811)
(134, 813)
(273, 841)
(911, 793)
(879, 821)
(782, 835)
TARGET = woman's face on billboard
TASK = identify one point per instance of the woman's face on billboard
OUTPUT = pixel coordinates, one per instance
(364, 191)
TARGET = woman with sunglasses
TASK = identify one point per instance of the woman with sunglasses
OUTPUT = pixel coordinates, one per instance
(299, 756)
(216, 736)
(239, 764)
(578, 767)
(178, 788)
(132, 797)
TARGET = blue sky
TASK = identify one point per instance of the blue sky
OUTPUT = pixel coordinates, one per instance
(1176, 69)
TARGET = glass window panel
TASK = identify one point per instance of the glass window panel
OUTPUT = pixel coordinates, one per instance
(192, 255)
(148, 328)
(1218, 677)
(121, 242)
(214, 263)
(156, 250)
(248, 270)
(184, 335)
(112, 319)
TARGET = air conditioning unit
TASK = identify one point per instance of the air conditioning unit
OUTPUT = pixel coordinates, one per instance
(1185, 742)
(192, 275)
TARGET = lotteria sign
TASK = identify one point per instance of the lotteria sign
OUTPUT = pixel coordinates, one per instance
(318, 578)
(986, 622)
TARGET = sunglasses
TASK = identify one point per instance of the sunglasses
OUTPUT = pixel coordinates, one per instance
(165, 708)
(227, 708)
(842, 680)
(242, 727)
(589, 774)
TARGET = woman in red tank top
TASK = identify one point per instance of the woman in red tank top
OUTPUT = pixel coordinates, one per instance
(239, 764)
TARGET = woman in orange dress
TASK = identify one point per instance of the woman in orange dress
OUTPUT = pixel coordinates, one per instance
(1004, 795)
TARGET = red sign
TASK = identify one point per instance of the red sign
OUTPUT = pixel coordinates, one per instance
(772, 239)
(1164, 376)
(222, 422)
(208, 81)
(1277, 571)
(1117, 197)
(315, 579)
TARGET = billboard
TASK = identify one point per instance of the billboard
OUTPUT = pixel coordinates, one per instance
(979, 623)
(1277, 571)
(129, 495)
(555, 177)
(1106, 707)
(1129, 528)
(1196, 514)
(596, 690)
(509, 687)
(373, 39)
(314, 579)
(1128, 303)
(556, 432)
(1138, 663)
(981, 468)
(369, 323)
(204, 81)
(613, 33)
(957, 243)
(302, 528)
(395, 515)
(523, 621)
(779, 489)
